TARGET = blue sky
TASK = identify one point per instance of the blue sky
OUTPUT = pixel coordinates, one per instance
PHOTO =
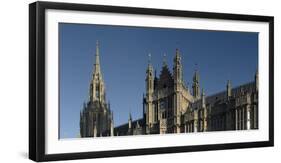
(220, 56)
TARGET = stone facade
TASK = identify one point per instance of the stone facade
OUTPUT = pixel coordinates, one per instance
(170, 107)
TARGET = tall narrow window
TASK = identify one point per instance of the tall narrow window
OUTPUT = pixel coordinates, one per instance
(97, 91)
(156, 112)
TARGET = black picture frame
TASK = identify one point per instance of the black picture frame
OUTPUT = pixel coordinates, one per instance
(37, 80)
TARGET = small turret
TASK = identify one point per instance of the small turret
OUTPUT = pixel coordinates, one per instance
(195, 86)
(203, 98)
(228, 89)
(130, 121)
(177, 68)
(130, 127)
(149, 77)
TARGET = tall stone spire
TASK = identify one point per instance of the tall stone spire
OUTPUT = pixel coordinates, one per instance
(97, 63)
(97, 87)
(195, 86)
(96, 119)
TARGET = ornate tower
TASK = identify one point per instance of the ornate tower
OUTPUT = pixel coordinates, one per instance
(149, 95)
(96, 119)
(97, 88)
(195, 86)
(177, 75)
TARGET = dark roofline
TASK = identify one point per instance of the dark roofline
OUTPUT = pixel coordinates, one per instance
(125, 124)
(235, 88)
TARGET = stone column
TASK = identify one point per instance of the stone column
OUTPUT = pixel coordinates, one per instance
(255, 115)
(239, 119)
(236, 119)
(243, 118)
(248, 117)
(195, 122)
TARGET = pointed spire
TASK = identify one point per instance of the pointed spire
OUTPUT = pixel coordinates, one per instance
(177, 53)
(97, 62)
(177, 58)
(177, 68)
(149, 76)
(196, 74)
(228, 88)
(130, 121)
(149, 58)
(228, 83)
(203, 97)
(203, 93)
(97, 52)
(195, 86)
(149, 63)
(130, 116)
(196, 77)
(164, 60)
(149, 70)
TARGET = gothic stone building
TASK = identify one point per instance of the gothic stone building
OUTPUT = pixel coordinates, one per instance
(96, 118)
(170, 107)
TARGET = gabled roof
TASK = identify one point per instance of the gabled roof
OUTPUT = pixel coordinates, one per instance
(165, 78)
